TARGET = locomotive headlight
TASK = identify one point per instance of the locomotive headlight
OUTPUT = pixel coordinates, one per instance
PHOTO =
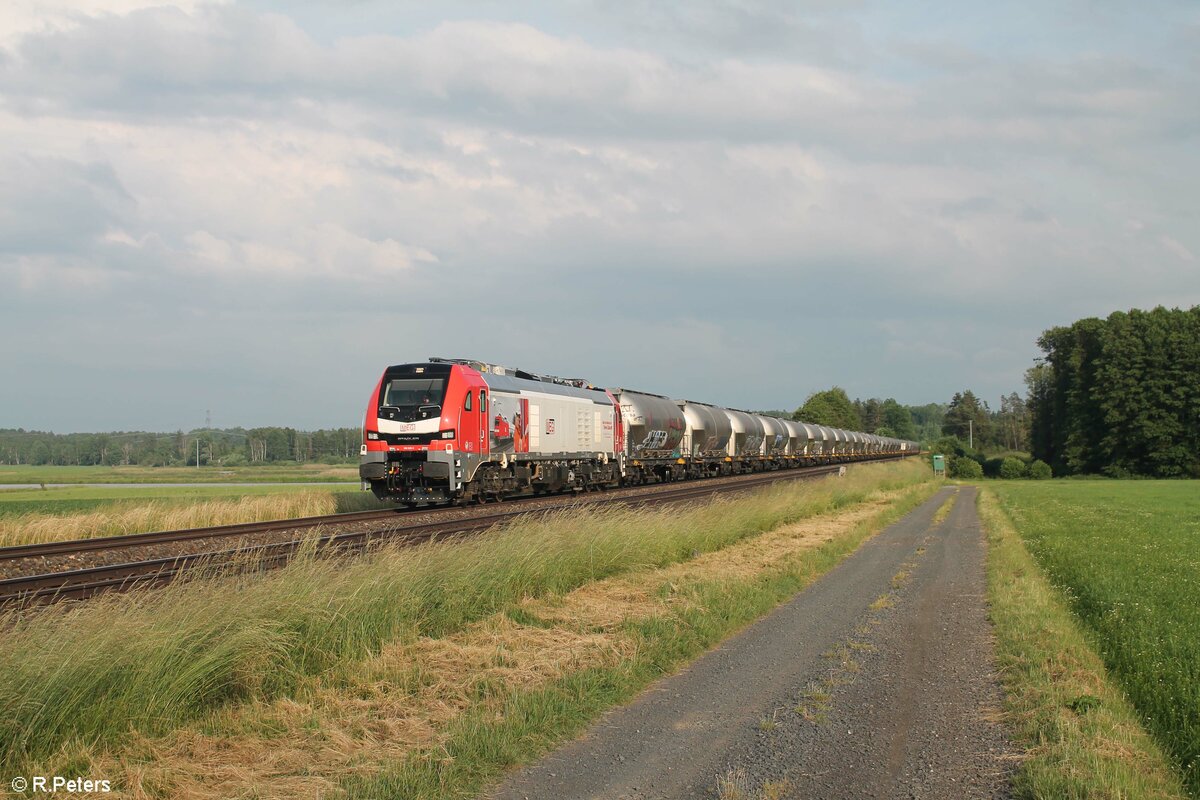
(448, 434)
(372, 435)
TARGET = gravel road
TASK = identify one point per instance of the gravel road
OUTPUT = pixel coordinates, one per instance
(875, 682)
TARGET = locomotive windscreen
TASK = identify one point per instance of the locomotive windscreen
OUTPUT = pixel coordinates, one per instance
(411, 399)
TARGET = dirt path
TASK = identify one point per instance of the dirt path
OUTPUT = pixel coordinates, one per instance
(875, 682)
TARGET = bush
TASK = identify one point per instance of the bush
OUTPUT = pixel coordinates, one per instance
(1039, 470)
(991, 467)
(949, 446)
(964, 467)
(1012, 468)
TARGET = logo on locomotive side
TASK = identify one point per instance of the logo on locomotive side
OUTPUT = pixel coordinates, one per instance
(509, 428)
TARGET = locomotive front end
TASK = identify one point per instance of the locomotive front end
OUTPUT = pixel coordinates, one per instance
(416, 434)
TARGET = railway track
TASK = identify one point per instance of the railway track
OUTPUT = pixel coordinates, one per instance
(78, 584)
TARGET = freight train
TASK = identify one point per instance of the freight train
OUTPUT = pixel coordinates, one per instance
(457, 431)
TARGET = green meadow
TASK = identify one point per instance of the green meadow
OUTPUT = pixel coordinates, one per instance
(1125, 556)
(62, 500)
(261, 473)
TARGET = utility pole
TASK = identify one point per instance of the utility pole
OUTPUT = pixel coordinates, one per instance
(971, 434)
(207, 427)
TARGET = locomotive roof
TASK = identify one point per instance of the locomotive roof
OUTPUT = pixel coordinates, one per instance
(512, 383)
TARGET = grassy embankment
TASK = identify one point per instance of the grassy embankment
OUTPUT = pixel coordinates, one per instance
(34, 515)
(1098, 633)
(419, 672)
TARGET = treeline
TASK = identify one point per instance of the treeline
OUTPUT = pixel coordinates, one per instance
(216, 446)
(965, 417)
(834, 408)
(1117, 396)
(1120, 396)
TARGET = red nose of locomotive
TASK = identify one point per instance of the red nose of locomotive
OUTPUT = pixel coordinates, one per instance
(421, 422)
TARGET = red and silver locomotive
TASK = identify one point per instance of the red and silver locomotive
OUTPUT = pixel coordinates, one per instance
(456, 430)
(459, 430)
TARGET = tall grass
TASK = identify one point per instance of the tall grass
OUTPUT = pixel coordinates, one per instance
(1125, 556)
(161, 515)
(152, 660)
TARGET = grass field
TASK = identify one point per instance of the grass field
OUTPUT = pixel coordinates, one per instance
(1125, 556)
(83, 512)
(86, 519)
(262, 473)
(71, 499)
(418, 672)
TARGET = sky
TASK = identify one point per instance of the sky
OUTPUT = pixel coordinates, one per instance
(248, 209)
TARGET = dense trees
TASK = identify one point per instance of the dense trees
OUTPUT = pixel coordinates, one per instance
(834, 408)
(1010, 426)
(968, 418)
(230, 447)
(1120, 395)
(927, 420)
(898, 420)
(831, 407)
(884, 417)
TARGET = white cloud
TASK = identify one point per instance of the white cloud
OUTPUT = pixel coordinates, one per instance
(19, 18)
(326, 250)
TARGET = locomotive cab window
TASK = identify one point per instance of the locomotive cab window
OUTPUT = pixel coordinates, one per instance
(467, 402)
(412, 399)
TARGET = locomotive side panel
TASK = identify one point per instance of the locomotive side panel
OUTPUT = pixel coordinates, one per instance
(536, 420)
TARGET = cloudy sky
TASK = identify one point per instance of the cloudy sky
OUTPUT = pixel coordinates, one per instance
(253, 207)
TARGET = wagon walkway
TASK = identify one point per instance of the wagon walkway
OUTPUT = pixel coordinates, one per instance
(877, 681)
